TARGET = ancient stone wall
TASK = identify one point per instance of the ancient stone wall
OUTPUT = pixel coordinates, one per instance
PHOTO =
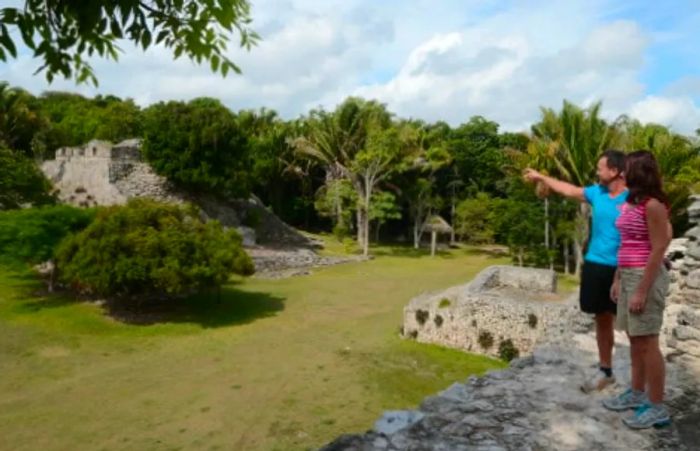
(536, 403)
(682, 321)
(503, 303)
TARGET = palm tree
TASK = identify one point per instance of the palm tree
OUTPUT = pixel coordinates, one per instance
(679, 162)
(358, 143)
(569, 143)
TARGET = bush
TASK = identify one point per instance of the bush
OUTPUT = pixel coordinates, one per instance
(148, 249)
(32, 235)
(532, 320)
(485, 339)
(507, 350)
(438, 320)
(422, 316)
(21, 181)
(444, 303)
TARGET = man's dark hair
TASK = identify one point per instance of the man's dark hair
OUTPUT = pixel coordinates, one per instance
(615, 159)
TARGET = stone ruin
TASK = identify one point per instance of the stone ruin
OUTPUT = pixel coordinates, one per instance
(100, 173)
(536, 403)
(502, 304)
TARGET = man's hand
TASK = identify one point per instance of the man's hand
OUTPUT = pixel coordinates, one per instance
(532, 176)
(637, 302)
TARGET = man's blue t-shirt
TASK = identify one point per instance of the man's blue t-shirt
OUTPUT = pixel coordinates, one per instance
(605, 238)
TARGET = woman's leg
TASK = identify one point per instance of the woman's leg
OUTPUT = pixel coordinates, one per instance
(637, 350)
(654, 368)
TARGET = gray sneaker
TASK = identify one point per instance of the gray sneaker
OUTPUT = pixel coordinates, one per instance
(629, 399)
(647, 416)
(597, 381)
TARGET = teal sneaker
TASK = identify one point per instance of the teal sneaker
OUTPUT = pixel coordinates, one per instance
(629, 399)
(648, 415)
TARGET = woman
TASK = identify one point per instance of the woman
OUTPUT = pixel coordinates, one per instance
(640, 286)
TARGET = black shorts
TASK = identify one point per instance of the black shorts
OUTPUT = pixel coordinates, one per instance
(596, 281)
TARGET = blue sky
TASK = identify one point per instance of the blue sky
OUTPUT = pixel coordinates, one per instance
(446, 60)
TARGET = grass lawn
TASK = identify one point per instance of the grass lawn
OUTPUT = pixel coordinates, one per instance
(273, 364)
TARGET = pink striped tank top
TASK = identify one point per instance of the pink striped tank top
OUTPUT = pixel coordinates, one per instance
(635, 245)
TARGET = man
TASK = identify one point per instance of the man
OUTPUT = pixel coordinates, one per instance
(600, 262)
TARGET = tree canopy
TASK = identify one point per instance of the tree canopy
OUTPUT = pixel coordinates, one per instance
(64, 34)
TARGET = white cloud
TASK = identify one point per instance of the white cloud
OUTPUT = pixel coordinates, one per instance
(444, 60)
(679, 112)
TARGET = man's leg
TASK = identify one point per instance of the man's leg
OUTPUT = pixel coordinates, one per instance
(605, 335)
(602, 376)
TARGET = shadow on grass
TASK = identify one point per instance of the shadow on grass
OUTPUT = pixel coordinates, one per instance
(231, 306)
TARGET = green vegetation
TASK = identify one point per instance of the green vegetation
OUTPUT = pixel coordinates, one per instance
(198, 145)
(21, 181)
(485, 339)
(269, 364)
(507, 350)
(32, 235)
(64, 34)
(146, 249)
(444, 303)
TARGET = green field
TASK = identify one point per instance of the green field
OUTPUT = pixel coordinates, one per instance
(270, 364)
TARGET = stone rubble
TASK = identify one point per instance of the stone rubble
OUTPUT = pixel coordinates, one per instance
(536, 403)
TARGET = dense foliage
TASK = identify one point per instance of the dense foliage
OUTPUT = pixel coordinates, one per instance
(63, 34)
(31, 235)
(358, 170)
(147, 249)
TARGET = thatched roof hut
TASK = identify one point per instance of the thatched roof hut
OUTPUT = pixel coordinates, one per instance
(436, 225)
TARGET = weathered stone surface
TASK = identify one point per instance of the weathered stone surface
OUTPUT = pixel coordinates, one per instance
(500, 304)
(536, 404)
(693, 279)
(100, 173)
(394, 421)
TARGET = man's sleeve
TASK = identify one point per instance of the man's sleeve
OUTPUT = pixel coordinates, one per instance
(590, 193)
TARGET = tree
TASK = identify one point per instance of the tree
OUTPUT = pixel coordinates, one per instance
(337, 200)
(477, 153)
(679, 162)
(62, 34)
(573, 139)
(383, 155)
(382, 209)
(199, 146)
(74, 120)
(475, 219)
(146, 249)
(357, 143)
(21, 181)
(20, 120)
(420, 190)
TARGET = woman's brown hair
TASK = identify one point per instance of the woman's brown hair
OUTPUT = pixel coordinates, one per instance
(643, 178)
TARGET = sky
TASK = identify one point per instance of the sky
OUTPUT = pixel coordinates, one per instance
(434, 60)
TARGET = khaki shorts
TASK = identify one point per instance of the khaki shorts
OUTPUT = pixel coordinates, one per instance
(649, 321)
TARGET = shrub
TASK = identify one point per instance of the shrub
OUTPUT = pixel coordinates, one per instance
(21, 181)
(252, 219)
(146, 248)
(485, 339)
(507, 350)
(438, 320)
(474, 324)
(422, 316)
(532, 320)
(32, 235)
(444, 303)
